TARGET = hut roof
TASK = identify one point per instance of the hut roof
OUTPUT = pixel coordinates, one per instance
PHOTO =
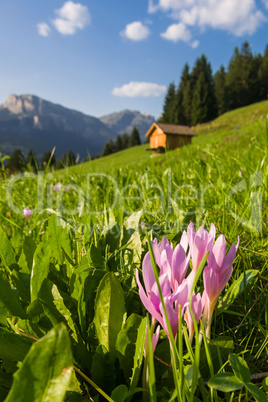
(173, 129)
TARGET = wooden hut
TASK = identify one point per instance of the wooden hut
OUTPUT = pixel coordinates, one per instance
(169, 136)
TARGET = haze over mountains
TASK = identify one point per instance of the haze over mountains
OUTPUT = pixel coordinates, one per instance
(27, 121)
(123, 122)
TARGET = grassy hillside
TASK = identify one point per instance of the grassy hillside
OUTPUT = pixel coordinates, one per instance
(239, 127)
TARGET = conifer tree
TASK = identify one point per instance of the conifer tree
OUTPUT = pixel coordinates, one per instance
(200, 101)
(263, 76)
(180, 117)
(168, 115)
(118, 143)
(109, 148)
(220, 90)
(16, 160)
(134, 137)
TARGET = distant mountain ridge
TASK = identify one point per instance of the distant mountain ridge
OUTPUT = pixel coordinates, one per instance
(41, 125)
(124, 121)
(27, 121)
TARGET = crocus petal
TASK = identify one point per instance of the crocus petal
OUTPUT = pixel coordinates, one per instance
(211, 283)
(184, 241)
(148, 273)
(217, 254)
(179, 265)
(146, 301)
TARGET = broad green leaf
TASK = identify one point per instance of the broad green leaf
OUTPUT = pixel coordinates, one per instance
(46, 370)
(235, 289)
(47, 300)
(4, 313)
(120, 393)
(13, 346)
(225, 382)
(96, 259)
(265, 384)
(139, 351)
(29, 248)
(54, 233)
(27, 326)
(40, 268)
(103, 369)
(7, 253)
(220, 348)
(9, 299)
(125, 344)
(63, 310)
(256, 392)
(86, 298)
(109, 311)
(239, 367)
(111, 234)
(132, 222)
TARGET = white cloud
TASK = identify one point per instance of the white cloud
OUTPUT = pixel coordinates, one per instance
(136, 31)
(239, 17)
(135, 89)
(71, 17)
(43, 29)
(195, 44)
(176, 32)
(265, 2)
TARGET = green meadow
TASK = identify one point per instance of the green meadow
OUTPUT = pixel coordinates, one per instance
(67, 273)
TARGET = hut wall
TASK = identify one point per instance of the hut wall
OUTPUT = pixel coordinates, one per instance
(157, 140)
(178, 141)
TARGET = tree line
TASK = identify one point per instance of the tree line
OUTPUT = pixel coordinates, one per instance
(122, 142)
(17, 162)
(201, 96)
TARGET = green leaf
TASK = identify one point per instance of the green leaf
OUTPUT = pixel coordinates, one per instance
(125, 344)
(7, 253)
(109, 311)
(29, 248)
(54, 233)
(40, 268)
(265, 384)
(86, 298)
(12, 346)
(220, 348)
(46, 298)
(103, 369)
(120, 393)
(256, 392)
(9, 299)
(240, 367)
(46, 370)
(237, 287)
(132, 222)
(138, 358)
(225, 382)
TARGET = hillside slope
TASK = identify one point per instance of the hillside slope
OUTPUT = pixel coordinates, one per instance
(233, 131)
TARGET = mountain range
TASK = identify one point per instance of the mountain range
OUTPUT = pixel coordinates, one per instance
(27, 121)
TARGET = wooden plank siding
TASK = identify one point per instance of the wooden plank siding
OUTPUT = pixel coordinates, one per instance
(169, 136)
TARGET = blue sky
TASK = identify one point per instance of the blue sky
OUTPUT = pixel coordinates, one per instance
(103, 56)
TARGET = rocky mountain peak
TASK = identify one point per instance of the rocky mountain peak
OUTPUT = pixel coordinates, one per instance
(22, 104)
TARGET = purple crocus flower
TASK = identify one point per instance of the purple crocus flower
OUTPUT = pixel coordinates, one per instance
(27, 212)
(216, 275)
(200, 243)
(173, 266)
(197, 308)
(57, 187)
